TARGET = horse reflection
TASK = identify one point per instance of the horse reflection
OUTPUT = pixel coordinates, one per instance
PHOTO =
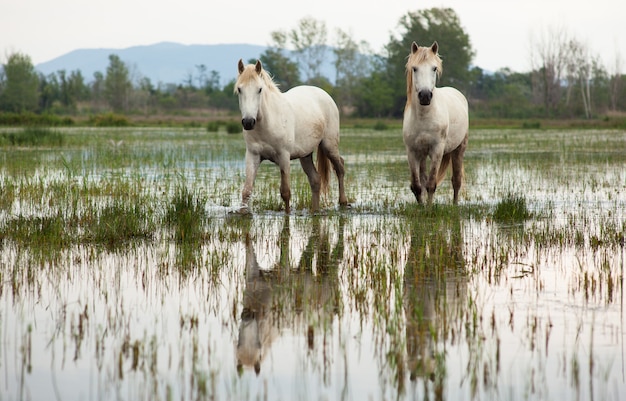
(304, 296)
(435, 290)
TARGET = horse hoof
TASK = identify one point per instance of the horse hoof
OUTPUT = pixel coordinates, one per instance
(243, 211)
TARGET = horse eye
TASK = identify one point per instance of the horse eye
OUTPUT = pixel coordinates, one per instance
(435, 69)
(238, 90)
(260, 90)
(414, 69)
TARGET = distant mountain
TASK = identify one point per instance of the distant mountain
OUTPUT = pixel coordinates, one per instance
(162, 62)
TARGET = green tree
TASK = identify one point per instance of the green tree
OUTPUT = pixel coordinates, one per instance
(19, 85)
(503, 94)
(117, 85)
(373, 94)
(97, 91)
(145, 95)
(225, 98)
(212, 82)
(72, 89)
(49, 92)
(425, 27)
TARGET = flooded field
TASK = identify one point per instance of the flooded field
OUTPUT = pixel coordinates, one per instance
(125, 275)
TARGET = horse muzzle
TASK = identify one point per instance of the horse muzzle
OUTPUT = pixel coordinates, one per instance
(425, 96)
(248, 123)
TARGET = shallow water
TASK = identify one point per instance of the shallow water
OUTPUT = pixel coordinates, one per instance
(365, 303)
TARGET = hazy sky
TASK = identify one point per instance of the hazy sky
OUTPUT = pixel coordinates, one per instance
(500, 30)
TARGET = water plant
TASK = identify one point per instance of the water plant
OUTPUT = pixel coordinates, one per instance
(186, 214)
(120, 223)
(512, 208)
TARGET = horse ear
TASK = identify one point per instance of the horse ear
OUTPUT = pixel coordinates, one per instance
(258, 66)
(435, 47)
(414, 47)
(240, 66)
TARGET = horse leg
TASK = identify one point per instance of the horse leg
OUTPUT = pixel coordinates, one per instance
(457, 168)
(340, 170)
(423, 169)
(435, 162)
(332, 152)
(285, 190)
(252, 167)
(314, 180)
(414, 168)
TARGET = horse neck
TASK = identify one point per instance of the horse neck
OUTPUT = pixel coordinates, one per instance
(272, 102)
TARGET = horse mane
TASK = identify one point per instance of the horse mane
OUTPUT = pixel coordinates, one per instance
(422, 55)
(249, 74)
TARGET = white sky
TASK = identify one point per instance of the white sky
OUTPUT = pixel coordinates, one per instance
(500, 31)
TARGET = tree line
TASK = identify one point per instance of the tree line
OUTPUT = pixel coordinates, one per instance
(566, 80)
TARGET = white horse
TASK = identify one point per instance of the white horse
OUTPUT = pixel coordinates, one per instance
(435, 124)
(281, 127)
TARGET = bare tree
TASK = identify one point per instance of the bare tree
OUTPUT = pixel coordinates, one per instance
(580, 69)
(202, 76)
(351, 64)
(549, 57)
(615, 82)
(117, 84)
(309, 42)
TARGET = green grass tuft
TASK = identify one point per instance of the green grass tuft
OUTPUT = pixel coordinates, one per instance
(186, 215)
(120, 223)
(513, 208)
(43, 232)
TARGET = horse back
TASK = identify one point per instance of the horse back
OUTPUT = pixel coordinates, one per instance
(313, 106)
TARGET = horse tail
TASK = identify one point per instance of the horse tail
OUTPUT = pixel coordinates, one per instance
(323, 169)
(443, 167)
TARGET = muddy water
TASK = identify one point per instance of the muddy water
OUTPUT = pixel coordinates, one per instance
(366, 303)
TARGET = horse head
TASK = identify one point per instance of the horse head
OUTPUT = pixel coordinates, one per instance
(423, 67)
(249, 350)
(249, 87)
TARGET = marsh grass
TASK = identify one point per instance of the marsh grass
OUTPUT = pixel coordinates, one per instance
(431, 298)
(186, 214)
(33, 136)
(38, 232)
(441, 212)
(65, 211)
(120, 223)
(512, 208)
(7, 194)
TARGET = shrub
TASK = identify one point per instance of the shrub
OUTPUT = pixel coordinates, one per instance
(380, 126)
(233, 127)
(34, 119)
(213, 126)
(109, 120)
(531, 125)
